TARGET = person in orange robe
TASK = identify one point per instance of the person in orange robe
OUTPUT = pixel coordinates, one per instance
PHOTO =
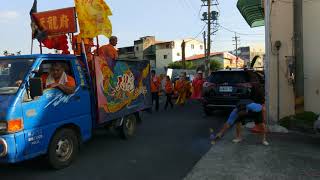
(109, 51)
(155, 88)
(169, 91)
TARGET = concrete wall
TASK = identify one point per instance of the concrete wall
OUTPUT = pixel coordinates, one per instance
(138, 50)
(311, 40)
(161, 62)
(279, 28)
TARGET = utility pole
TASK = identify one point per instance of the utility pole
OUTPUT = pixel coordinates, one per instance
(210, 18)
(236, 40)
(209, 36)
(183, 47)
(205, 43)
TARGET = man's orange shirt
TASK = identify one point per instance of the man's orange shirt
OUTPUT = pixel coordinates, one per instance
(168, 87)
(155, 84)
(71, 82)
(108, 51)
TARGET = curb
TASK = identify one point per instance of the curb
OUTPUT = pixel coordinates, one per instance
(194, 169)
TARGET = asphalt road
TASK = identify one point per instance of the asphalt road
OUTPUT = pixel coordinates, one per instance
(167, 145)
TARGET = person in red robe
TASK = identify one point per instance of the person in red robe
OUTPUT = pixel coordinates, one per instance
(197, 84)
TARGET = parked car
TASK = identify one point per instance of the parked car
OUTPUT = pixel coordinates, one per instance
(223, 89)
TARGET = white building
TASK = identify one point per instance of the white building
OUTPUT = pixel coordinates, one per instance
(171, 51)
(296, 27)
(292, 53)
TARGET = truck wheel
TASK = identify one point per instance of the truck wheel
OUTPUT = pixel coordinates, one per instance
(128, 127)
(63, 148)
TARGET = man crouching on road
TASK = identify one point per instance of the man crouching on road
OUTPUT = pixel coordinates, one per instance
(246, 109)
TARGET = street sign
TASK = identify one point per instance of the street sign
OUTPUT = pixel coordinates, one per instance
(57, 22)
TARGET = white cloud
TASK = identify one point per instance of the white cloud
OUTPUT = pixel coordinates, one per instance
(6, 16)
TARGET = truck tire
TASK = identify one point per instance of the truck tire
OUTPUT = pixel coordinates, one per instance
(63, 148)
(128, 127)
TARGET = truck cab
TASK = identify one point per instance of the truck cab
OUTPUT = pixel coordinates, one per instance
(30, 120)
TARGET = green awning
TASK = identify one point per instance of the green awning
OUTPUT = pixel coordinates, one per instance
(252, 11)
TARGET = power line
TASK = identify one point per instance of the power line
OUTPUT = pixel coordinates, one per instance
(199, 14)
(195, 37)
(185, 3)
(189, 4)
(218, 9)
(244, 34)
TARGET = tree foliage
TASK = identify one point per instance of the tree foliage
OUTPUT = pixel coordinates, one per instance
(7, 53)
(215, 65)
(179, 65)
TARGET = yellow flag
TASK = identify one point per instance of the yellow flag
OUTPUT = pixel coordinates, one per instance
(93, 18)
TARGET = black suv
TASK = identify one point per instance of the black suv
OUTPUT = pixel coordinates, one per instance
(223, 89)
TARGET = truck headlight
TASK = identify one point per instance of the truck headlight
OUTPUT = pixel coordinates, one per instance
(11, 126)
(15, 125)
(3, 126)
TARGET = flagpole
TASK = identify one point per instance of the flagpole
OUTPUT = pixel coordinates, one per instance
(31, 45)
(97, 45)
(70, 39)
(92, 79)
(40, 47)
(72, 45)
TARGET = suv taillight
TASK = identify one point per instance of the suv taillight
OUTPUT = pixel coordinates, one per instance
(209, 85)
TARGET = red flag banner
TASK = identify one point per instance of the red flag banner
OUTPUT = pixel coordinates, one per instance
(57, 22)
(57, 42)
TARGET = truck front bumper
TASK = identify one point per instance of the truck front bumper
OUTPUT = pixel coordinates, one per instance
(3, 147)
(11, 148)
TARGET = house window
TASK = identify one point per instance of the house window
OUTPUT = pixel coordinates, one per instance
(201, 47)
(192, 46)
(178, 54)
(165, 56)
(137, 48)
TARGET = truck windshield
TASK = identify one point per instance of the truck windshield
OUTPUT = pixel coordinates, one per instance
(12, 73)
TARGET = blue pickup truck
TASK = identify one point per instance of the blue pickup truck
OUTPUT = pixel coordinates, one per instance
(36, 121)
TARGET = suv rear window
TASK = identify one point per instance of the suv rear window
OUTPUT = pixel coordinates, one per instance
(229, 77)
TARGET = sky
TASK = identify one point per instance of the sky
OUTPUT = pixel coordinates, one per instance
(132, 19)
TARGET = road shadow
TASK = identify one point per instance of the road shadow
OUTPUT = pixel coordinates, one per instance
(101, 138)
